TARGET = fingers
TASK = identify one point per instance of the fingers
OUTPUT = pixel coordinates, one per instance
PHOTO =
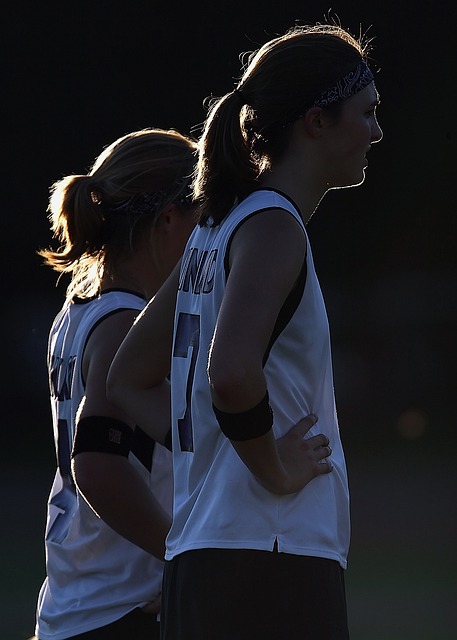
(323, 451)
(324, 467)
(319, 441)
(302, 427)
(317, 447)
(320, 445)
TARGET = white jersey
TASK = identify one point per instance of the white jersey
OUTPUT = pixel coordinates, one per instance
(217, 501)
(94, 576)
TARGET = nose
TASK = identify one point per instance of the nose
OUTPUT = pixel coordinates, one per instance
(376, 132)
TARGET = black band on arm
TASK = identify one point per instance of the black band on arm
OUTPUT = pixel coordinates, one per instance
(104, 434)
(246, 425)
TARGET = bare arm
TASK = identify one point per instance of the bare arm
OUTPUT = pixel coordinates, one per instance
(108, 482)
(122, 499)
(266, 257)
(137, 380)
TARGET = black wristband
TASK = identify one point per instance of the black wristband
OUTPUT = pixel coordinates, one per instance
(104, 434)
(246, 425)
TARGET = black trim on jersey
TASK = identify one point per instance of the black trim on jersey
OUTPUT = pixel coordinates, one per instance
(143, 447)
(248, 217)
(96, 324)
(79, 300)
(284, 195)
(121, 290)
(293, 299)
(287, 310)
(107, 315)
(238, 226)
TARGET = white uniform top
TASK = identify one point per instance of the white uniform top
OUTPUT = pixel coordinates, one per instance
(217, 501)
(94, 576)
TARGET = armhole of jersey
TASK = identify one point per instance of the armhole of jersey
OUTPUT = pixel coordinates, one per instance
(92, 329)
(293, 299)
(288, 309)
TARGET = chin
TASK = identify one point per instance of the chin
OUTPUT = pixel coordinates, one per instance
(354, 181)
(359, 182)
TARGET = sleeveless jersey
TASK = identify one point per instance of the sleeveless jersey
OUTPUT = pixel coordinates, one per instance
(94, 576)
(217, 501)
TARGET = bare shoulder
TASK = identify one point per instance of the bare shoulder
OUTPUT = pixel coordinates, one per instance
(265, 261)
(105, 340)
(110, 332)
(271, 247)
(273, 234)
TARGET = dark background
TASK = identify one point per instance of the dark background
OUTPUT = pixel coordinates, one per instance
(77, 75)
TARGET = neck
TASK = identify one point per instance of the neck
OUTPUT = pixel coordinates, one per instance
(136, 274)
(302, 189)
(299, 172)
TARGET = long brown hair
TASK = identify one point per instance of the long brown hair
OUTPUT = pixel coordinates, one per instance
(246, 130)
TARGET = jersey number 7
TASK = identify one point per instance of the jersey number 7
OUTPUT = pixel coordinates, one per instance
(187, 342)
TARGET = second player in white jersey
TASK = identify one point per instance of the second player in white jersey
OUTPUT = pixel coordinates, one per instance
(122, 228)
(86, 558)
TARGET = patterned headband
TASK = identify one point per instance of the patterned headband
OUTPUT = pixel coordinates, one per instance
(150, 201)
(349, 85)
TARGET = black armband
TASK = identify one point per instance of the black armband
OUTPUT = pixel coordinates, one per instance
(104, 434)
(246, 425)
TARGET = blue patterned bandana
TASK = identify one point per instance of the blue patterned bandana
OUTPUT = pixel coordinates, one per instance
(150, 202)
(351, 84)
(348, 86)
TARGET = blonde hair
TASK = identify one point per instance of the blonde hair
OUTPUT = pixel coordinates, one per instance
(92, 240)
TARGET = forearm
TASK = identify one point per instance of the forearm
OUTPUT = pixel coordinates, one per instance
(261, 457)
(120, 497)
(137, 378)
(241, 406)
(281, 466)
(245, 417)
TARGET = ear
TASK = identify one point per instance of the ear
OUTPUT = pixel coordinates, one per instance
(314, 122)
(168, 215)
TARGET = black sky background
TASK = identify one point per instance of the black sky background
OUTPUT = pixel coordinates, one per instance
(77, 75)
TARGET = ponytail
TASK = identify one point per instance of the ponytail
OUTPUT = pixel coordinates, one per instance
(248, 130)
(226, 170)
(91, 216)
(76, 221)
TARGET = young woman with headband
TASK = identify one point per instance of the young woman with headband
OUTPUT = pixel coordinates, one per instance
(122, 228)
(260, 533)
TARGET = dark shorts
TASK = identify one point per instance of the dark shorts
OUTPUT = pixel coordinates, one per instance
(252, 595)
(136, 625)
